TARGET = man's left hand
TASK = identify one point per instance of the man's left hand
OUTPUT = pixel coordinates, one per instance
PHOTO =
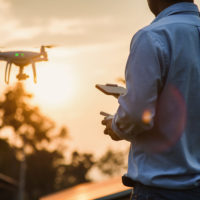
(108, 130)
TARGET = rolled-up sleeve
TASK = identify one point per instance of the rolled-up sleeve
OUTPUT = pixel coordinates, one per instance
(143, 76)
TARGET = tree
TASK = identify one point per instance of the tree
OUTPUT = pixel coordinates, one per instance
(30, 127)
(46, 170)
(76, 171)
(112, 163)
(42, 172)
(32, 132)
(8, 160)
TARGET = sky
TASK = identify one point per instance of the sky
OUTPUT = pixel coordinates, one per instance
(92, 39)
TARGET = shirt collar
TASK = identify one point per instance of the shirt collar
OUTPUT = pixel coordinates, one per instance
(183, 7)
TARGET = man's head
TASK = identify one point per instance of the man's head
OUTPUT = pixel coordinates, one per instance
(156, 6)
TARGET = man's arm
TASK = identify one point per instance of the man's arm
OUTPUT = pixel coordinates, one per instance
(137, 107)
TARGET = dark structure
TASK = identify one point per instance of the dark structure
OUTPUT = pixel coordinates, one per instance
(111, 189)
(125, 195)
(8, 188)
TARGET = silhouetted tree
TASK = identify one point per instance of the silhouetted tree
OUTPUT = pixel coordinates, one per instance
(9, 165)
(112, 163)
(30, 127)
(76, 171)
(42, 172)
(32, 134)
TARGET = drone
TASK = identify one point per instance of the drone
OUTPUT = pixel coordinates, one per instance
(22, 59)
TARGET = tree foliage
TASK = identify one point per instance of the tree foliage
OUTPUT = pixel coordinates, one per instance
(112, 163)
(46, 171)
(9, 165)
(33, 133)
(30, 127)
(42, 171)
(76, 171)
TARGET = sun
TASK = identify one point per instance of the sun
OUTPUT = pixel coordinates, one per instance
(56, 85)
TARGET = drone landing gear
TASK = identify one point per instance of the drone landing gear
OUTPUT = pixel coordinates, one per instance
(34, 73)
(7, 72)
(21, 75)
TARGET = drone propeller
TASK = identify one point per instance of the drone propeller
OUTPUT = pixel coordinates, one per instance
(49, 46)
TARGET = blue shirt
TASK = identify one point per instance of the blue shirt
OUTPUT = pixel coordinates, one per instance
(160, 113)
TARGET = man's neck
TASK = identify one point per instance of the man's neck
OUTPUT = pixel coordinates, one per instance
(162, 6)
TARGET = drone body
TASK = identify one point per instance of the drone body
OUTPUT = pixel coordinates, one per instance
(22, 59)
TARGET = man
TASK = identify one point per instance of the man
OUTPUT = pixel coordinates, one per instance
(160, 112)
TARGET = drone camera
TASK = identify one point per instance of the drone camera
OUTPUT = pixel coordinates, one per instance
(22, 77)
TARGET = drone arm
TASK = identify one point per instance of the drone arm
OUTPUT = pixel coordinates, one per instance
(34, 72)
(40, 59)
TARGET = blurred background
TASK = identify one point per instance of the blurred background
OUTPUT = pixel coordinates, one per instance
(52, 130)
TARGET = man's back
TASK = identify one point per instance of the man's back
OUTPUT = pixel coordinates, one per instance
(167, 154)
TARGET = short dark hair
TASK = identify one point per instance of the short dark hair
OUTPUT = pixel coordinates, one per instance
(191, 1)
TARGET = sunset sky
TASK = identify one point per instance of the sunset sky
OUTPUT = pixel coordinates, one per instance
(92, 38)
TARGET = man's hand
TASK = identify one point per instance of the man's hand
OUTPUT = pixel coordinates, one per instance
(107, 121)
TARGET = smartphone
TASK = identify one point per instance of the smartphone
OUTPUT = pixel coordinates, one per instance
(111, 89)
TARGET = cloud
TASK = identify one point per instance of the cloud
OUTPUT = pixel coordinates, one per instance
(63, 27)
(67, 22)
(74, 26)
(34, 9)
(11, 28)
(64, 31)
(70, 30)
